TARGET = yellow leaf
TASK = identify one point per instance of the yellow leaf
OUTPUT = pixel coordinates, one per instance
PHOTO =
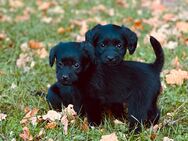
(111, 137)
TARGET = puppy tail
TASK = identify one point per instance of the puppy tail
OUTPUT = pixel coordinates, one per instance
(159, 61)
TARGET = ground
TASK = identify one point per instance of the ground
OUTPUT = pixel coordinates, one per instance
(28, 29)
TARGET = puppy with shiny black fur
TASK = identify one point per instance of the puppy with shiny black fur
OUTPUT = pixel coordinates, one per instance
(72, 61)
(116, 81)
(111, 43)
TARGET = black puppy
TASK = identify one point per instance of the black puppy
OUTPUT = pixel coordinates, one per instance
(111, 42)
(137, 84)
(72, 61)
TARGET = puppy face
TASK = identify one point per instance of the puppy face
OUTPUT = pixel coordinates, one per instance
(111, 42)
(72, 59)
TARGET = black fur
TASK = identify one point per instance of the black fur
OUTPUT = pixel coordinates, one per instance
(135, 83)
(72, 59)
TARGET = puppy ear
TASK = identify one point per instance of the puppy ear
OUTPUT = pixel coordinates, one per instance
(52, 55)
(131, 39)
(88, 50)
(90, 34)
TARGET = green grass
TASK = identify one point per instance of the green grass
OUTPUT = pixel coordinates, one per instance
(13, 101)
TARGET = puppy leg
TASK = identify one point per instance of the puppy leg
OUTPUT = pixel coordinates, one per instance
(154, 112)
(54, 100)
(138, 107)
(118, 110)
(93, 111)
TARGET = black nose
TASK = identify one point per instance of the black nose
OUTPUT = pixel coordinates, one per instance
(65, 77)
(111, 58)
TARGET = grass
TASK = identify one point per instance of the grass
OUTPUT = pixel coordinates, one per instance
(13, 101)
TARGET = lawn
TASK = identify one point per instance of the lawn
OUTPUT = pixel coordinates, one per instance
(28, 29)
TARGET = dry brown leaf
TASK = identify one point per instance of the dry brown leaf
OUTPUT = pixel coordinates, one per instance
(47, 19)
(30, 116)
(103, 9)
(171, 45)
(26, 136)
(2, 36)
(2, 116)
(122, 3)
(175, 63)
(42, 53)
(182, 26)
(35, 44)
(153, 136)
(138, 25)
(69, 111)
(62, 30)
(52, 115)
(111, 137)
(85, 125)
(16, 3)
(167, 139)
(116, 121)
(43, 6)
(156, 7)
(169, 17)
(23, 59)
(83, 28)
(51, 125)
(176, 77)
(65, 122)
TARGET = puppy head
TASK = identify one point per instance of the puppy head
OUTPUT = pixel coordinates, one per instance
(111, 42)
(72, 58)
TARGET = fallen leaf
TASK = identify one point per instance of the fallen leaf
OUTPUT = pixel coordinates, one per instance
(84, 28)
(171, 45)
(35, 44)
(65, 122)
(167, 139)
(182, 26)
(42, 53)
(169, 17)
(70, 112)
(47, 19)
(116, 121)
(2, 116)
(52, 115)
(153, 136)
(176, 77)
(85, 125)
(122, 3)
(138, 25)
(51, 125)
(26, 136)
(43, 6)
(101, 8)
(16, 3)
(111, 137)
(62, 30)
(30, 116)
(23, 60)
(2, 36)
(175, 63)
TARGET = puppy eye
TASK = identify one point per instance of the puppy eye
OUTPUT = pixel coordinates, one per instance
(102, 45)
(60, 64)
(119, 45)
(76, 65)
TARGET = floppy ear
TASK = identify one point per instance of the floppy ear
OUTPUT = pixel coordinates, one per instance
(90, 34)
(52, 56)
(89, 51)
(131, 39)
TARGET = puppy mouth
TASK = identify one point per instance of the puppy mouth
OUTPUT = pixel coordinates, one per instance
(67, 83)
